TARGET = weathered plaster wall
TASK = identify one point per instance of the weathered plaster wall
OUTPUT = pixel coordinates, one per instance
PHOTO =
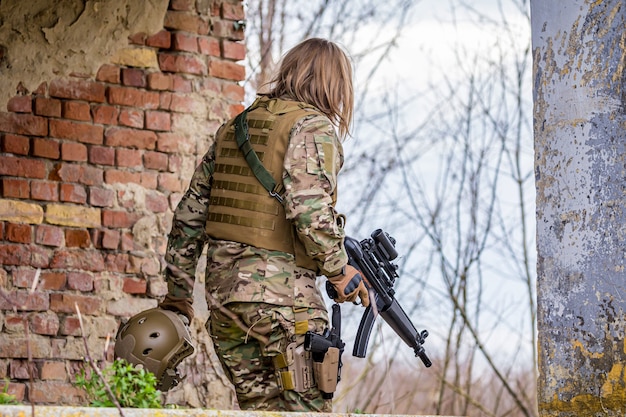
(43, 39)
(106, 108)
(579, 50)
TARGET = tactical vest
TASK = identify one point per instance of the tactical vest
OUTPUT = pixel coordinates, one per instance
(241, 210)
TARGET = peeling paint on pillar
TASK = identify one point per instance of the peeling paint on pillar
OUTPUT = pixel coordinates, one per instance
(579, 52)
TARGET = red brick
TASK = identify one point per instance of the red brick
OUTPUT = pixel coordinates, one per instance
(225, 29)
(46, 148)
(13, 324)
(100, 197)
(44, 190)
(17, 390)
(227, 70)
(24, 300)
(77, 89)
(73, 193)
(101, 155)
(170, 182)
(149, 180)
(109, 74)
(106, 115)
(181, 84)
(158, 120)
(18, 233)
(209, 46)
(155, 160)
(133, 77)
(120, 262)
(91, 176)
(24, 278)
(182, 103)
(49, 235)
(20, 104)
(159, 81)
(67, 172)
(233, 92)
(127, 242)
(45, 323)
(23, 369)
(52, 281)
(15, 188)
(110, 239)
(211, 85)
(129, 96)
(11, 254)
(134, 286)
(77, 110)
(77, 238)
(55, 392)
(86, 260)
(164, 100)
(113, 176)
(42, 90)
(119, 219)
(131, 118)
(23, 124)
(49, 107)
(81, 132)
(40, 256)
(130, 138)
(182, 64)
(169, 142)
(156, 202)
(232, 11)
(70, 326)
(73, 152)
(160, 39)
(184, 21)
(233, 50)
(129, 158)
(54, 370)
(17, 144)
(184, 42)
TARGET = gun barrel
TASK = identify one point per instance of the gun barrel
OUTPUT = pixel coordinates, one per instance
(397, 319)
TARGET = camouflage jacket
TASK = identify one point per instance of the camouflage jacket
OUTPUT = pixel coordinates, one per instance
(238, 272)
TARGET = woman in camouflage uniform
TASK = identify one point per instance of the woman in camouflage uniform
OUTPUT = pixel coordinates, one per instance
(266, 251)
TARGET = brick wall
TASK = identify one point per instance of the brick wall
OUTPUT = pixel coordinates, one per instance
(92, 166)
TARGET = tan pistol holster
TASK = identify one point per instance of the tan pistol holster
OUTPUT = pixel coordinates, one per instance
(326, 372)
(294, 370)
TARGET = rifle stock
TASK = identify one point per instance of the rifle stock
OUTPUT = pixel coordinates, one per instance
(373, 258)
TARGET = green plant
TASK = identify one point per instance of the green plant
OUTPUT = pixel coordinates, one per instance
(5, 397)
(132, 386)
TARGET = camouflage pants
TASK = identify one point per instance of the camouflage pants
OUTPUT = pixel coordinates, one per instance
(246, 356)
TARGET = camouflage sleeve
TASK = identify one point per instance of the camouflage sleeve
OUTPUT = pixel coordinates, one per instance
(312, 162)
(188, 237)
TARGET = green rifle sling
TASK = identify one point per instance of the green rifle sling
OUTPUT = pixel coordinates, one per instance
(243, 142)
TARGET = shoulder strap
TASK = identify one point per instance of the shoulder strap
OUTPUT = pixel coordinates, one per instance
(243, 142)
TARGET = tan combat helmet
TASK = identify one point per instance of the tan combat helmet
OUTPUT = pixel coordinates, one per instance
(158, 340)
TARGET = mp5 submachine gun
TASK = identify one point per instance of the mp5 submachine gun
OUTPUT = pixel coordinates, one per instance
(373, 258)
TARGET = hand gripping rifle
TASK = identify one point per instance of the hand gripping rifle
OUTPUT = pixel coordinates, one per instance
(373, 258)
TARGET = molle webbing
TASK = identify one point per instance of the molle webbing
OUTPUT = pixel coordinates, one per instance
(241, 210)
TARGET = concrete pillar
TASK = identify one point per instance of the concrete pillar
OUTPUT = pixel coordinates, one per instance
(579, 51)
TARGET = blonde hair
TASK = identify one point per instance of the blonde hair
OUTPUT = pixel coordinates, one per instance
(318, 72)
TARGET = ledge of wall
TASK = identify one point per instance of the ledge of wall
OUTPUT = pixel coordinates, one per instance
(58, 411)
